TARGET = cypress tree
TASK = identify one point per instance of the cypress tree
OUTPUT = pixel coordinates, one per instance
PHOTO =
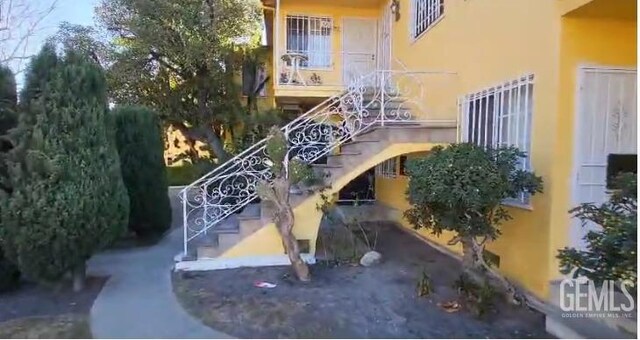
(141, 149)
(9, 273)
(68, 198)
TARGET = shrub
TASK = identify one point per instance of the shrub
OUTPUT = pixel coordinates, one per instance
(611, 252)
(9, 274)
(188, 173)
(68, 198)
(460, 189)
(141, 150)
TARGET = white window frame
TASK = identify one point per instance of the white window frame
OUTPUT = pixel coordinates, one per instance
(387, 169)
(501, 115)
(424, 15)
(320, 57)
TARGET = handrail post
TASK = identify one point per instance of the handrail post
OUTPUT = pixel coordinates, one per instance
(382, 99)
(184, 221)
(286, 156)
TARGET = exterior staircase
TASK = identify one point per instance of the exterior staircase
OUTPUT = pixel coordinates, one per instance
(225, 225)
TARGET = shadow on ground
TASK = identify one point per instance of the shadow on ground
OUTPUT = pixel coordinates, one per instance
(349, 301)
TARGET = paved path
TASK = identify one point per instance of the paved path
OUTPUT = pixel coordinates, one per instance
(137, 301)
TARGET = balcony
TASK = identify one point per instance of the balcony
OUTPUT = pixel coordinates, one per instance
(319, 46)
(318, 73)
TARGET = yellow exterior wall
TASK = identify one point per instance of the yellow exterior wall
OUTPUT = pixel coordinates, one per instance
(584, 42)
(486, 43)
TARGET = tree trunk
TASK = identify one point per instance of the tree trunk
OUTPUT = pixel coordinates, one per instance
(216, 145)
(206, 135)
(475, 267)
(290, 243)
(285, 221)
(79, 275)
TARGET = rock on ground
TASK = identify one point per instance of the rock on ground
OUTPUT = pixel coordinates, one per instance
(371, 258)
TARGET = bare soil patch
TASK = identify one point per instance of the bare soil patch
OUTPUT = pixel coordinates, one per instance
(34, 311)
(349, 301)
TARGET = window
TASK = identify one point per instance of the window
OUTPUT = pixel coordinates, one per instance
(387, 169)
(311, 37)
(424, 14)
(501, 116)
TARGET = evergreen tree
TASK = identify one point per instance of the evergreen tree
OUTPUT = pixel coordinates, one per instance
(141, 149)
(9, 273)
(68, 198)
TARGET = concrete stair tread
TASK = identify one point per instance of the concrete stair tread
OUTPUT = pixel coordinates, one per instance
(326, 166)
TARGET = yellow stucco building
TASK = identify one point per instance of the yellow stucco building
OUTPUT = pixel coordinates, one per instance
(562, 59)
(557, 78)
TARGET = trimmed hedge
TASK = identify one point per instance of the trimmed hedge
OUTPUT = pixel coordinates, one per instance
(9, 273)
(141, 149)
(68, 200)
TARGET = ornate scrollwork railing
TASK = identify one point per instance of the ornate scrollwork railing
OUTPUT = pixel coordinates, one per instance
(231, 186)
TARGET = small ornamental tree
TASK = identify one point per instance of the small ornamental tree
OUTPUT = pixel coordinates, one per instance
(285, 174)
(461, 189)
(68, 199)
(141, 149)
(611, 249)
(9, 273)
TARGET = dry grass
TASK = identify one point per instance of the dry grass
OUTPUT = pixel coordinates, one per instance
(70, 326)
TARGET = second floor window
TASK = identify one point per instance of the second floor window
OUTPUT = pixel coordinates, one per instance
(424, 13)
(501, 116)
(311, 37)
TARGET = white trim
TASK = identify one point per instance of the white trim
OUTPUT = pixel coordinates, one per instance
(574, 237)
(205, 264)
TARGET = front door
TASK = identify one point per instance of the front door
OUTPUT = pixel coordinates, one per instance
(358, 49)
(606, 125)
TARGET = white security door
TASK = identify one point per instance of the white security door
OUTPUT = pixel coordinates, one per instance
(358, 48)
(607, 124)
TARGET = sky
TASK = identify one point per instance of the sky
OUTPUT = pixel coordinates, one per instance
(74, 11)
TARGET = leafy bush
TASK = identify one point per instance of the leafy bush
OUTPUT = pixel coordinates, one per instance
(611, 252)
(141, 149)
(68, 198)
(460, 189)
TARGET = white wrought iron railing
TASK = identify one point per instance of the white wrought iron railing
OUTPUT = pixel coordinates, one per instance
(231, 186)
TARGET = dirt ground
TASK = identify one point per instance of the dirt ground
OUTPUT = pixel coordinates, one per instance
(350, 301)
(33, 311)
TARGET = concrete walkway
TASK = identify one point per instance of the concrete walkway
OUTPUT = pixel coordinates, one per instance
(137, 301)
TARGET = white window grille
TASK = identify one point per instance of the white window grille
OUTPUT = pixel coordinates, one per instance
(311, 37)
(501, 116)
(424, 14)
(387, 169)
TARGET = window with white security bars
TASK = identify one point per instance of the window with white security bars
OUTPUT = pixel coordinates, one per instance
(311, 37)
(501, 116)
(424, 14)
(387, 169)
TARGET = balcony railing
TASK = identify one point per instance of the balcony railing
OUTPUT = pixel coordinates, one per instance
(320, 68)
